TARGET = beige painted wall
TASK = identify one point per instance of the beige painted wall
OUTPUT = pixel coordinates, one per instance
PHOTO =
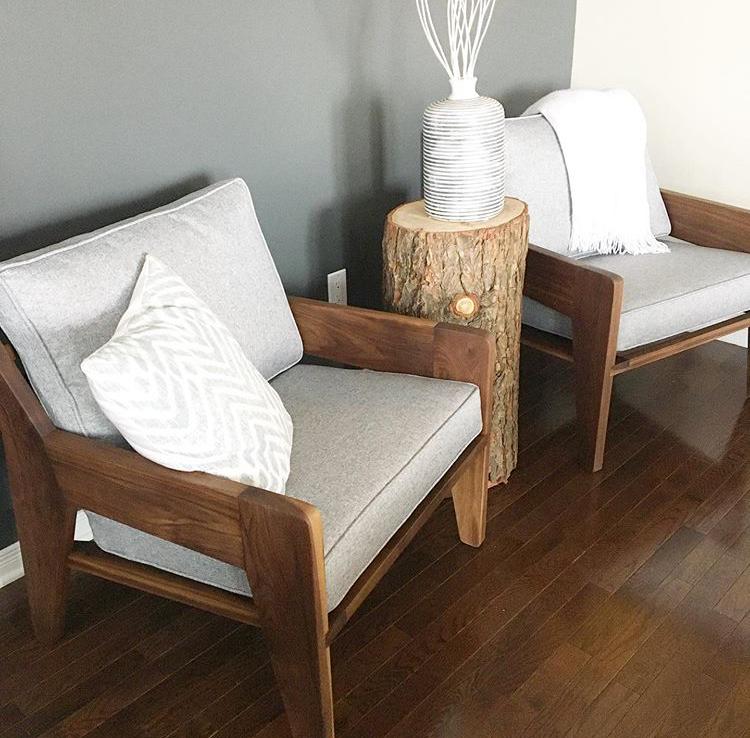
(688, 62)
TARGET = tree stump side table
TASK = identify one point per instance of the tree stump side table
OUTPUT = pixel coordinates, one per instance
(470, 274)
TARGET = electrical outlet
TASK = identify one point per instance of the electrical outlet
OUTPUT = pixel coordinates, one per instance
(337, 287)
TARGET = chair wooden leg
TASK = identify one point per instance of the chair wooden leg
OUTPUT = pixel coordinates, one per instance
(46, 538)
(595, 328)
(284, 563)
(593, 399)
(748, 363)
(470, 498)
(44, 521)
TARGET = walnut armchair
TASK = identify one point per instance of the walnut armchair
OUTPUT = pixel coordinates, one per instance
(612, 314)
(276, 541)
(593, 299)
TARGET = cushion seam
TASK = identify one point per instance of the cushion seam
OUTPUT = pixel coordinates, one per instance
(34, 332)
(400, 470)
(662, 337)
(113, 550)
(411, 511)
(299, 349)
(115, 229)
(685, 294)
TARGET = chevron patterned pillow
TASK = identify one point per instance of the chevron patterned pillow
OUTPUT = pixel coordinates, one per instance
(175, 382)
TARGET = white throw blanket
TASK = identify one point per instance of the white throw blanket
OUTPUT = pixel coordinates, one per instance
(602, 135)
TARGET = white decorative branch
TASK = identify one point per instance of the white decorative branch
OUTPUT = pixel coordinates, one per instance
(468, 21)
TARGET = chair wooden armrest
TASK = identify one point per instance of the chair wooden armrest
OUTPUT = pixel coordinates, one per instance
(195, 510)
(200, 511)
(276, 539)
(559, 282)
(592, 299)
(708, 223)
(370, 339)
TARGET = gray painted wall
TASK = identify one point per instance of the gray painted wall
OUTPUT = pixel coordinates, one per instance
(110, 107)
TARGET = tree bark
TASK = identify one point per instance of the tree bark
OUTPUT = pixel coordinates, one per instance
(470, 274)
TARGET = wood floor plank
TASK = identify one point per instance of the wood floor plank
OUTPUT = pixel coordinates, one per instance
(696, 630)
(182, 694)
(732, 719)
(500, 578)
(613, 634)
(125, 687)
(517, 714)
(35, 694)
(736, 602)
(680, 702)
(505, 662)
(90, 611)
(615, 603)
(243, 696)
(732, 661)
(602, 716)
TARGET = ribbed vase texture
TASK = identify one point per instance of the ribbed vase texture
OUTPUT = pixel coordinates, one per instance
(463, 159)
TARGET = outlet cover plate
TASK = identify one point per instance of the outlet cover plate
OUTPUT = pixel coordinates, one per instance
(337, 287)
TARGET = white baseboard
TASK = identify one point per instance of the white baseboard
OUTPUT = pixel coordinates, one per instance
(738, 339)
(11, 564)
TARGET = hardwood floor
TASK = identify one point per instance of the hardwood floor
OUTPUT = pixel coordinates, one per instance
(608, 604)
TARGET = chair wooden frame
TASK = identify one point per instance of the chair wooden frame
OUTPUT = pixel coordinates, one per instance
(592, 299)
(278, 540)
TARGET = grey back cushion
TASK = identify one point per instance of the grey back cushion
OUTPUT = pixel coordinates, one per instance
(60, 303)
(536, 174)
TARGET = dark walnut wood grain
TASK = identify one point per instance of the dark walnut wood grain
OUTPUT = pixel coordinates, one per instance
(708, 223)
(594, 349)
(398, 343)
(278, 540)
(283, 542)
(45, 519)
(609, 604)
(90, 559)
(470, 274)
(592, 299)
(198, 511)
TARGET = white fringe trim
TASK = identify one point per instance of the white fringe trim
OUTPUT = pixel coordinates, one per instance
(613, 244)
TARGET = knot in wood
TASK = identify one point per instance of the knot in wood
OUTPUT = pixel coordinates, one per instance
(465, 305)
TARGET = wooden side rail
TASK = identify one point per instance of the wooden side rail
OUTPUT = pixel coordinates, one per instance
(708, 223)
(364, 338)
(87, 557)
(388, 342)
(195, 510)
(551, 279)
(592, 299)
(466, 354)
(277, 540)
(648, 354)
(562, 283)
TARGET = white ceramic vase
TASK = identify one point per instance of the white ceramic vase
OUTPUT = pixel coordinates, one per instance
(463, 155)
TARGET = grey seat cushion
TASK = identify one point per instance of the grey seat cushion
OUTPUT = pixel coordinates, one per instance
(536, 174)
(368, 447)
(665, 294)
(59, 304)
